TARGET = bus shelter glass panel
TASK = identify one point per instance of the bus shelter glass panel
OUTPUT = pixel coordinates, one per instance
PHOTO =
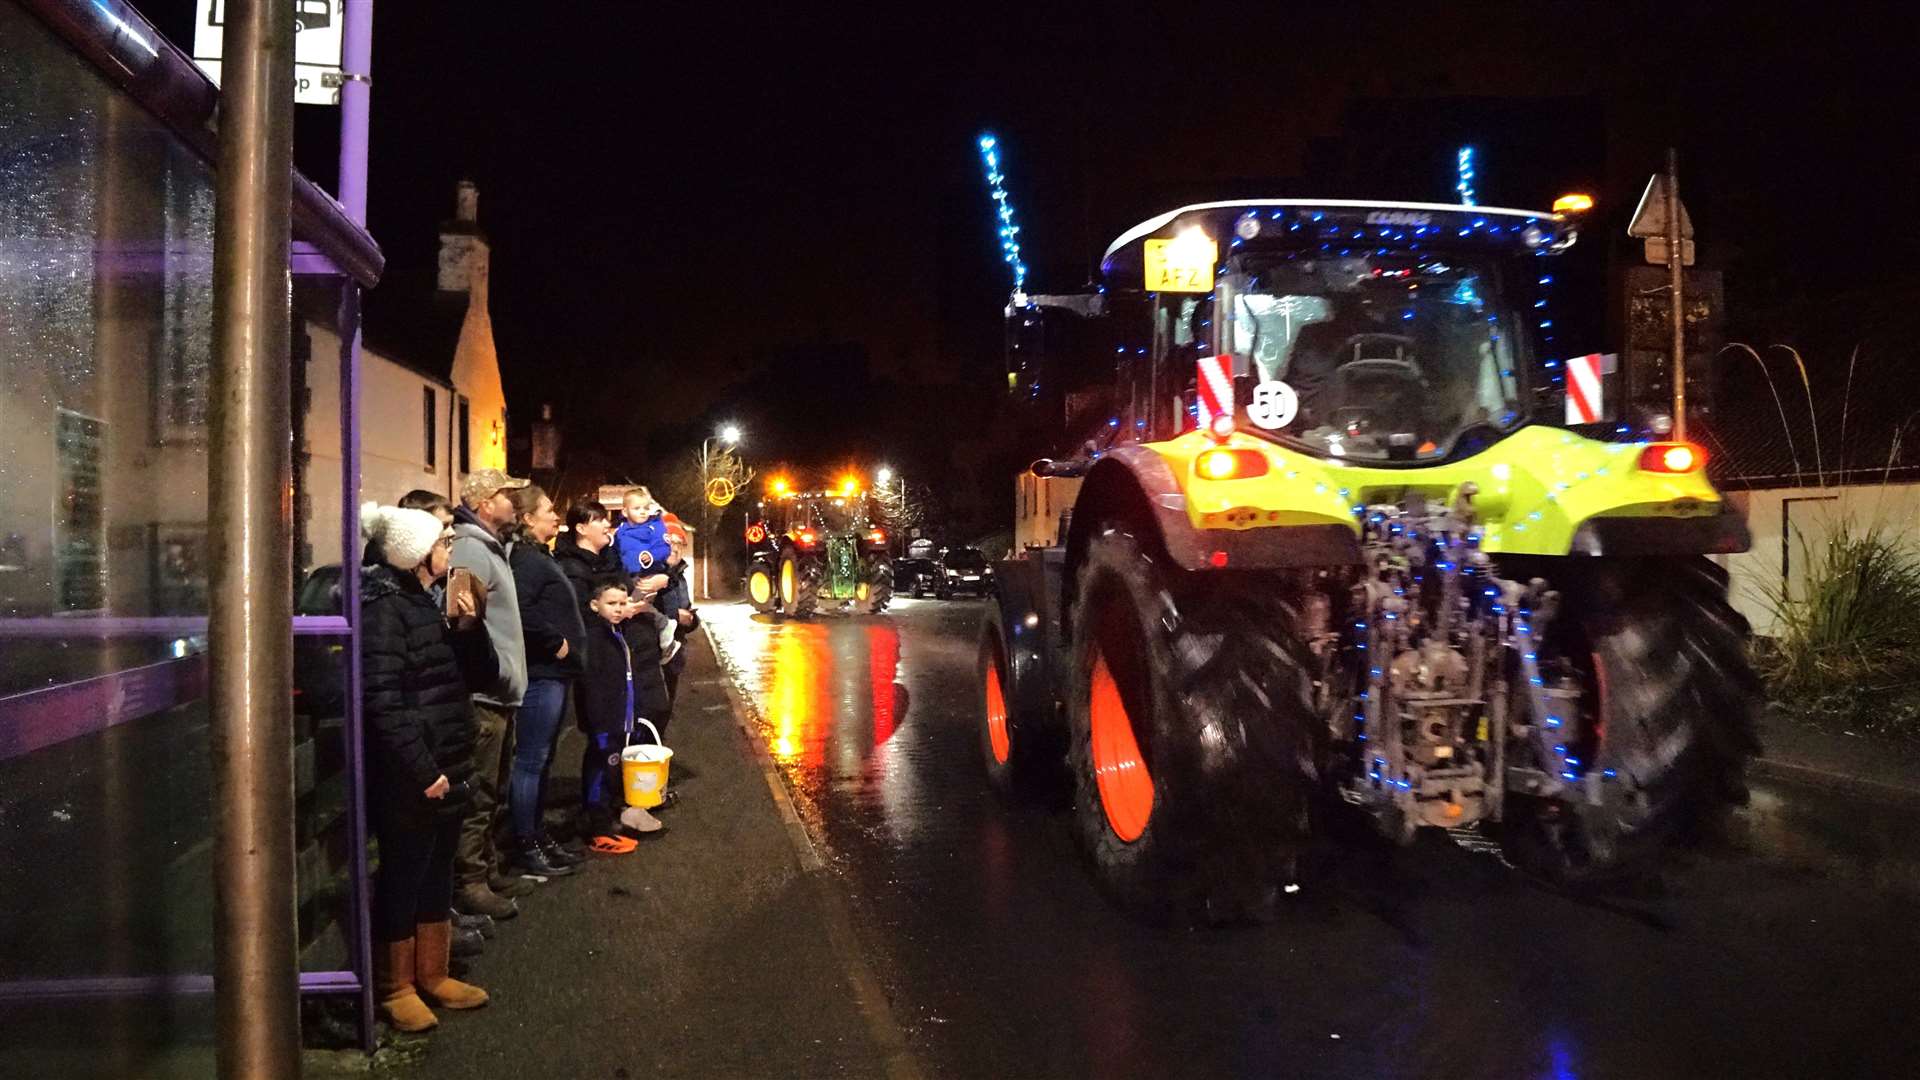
(106, 241)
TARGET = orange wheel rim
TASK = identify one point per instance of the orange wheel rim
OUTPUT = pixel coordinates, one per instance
(997, 737)
(786, 582)
(761, 586)
(1126, 788)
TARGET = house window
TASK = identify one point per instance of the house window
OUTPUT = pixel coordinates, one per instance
(466, 451)
(429, 414)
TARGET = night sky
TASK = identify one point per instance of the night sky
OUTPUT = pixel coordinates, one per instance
(679, 201)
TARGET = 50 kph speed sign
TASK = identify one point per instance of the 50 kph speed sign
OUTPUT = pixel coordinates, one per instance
(1274, 405)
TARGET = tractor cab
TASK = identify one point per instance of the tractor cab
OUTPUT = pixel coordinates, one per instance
(1380, 333)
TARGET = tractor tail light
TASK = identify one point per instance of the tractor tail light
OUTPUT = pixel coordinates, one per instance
(806, 538)
(1226, 464)
(1672, 457)
(877, 536)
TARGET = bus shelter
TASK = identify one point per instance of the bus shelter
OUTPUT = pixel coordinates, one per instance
(107, 154)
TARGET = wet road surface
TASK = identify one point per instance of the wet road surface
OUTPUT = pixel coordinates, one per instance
(1789, 950)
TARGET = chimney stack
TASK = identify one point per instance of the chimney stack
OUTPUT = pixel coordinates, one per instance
(462, 242)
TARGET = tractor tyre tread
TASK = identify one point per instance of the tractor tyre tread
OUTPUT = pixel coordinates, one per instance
(1220, 691)
(879, 585)
(1680, 721)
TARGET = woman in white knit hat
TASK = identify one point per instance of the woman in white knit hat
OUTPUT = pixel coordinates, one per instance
(419, 735)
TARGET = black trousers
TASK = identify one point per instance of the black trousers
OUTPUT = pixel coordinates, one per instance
(415, 881)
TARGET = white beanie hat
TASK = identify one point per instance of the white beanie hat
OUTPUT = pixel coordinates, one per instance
(405, 537)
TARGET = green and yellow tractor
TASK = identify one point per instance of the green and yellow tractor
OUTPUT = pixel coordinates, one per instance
(812, 546)
(1317, 548)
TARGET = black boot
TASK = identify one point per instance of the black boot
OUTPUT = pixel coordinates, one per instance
(467, 944)
(529, 860)
(482, 923)
(557, 853)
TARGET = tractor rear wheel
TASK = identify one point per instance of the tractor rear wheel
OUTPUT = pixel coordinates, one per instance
(799, 584)
(1192, 743)
(1668, 715)
(762, 592)
(879, 581)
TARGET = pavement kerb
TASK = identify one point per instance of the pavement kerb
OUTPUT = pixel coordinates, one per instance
(1828, 779)
(1862, 767)
(871, 998)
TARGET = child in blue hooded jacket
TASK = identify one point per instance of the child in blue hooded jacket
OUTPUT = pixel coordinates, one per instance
(641, 540)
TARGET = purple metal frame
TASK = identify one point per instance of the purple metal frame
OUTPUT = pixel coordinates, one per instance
(356, 65)
(123, 986)
(330, 239)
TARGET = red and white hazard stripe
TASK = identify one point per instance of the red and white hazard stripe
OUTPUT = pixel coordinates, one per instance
(1216, 389)
(1584, 405)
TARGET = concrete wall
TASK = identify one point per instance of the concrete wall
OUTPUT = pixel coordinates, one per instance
(1791, 525)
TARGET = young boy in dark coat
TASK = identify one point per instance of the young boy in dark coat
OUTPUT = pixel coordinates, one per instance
(613, 691)
(419, 741)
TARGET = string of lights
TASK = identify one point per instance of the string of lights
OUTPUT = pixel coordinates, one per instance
(1003, 210)
(1463, 162)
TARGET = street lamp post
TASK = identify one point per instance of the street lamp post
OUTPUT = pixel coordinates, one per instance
(883, 481)
(728, 435)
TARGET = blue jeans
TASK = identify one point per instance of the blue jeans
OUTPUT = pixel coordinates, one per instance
(537, 728)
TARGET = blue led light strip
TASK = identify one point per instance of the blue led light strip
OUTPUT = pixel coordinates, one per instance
(1464, 162)
(1003, 210)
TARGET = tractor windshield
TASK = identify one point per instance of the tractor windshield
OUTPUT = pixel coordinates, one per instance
(1390, 356)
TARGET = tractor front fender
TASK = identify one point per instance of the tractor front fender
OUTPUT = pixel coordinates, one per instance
(1135, 484)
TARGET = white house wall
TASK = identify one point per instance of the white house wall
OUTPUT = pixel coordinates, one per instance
(393, 455)
(1790, 525)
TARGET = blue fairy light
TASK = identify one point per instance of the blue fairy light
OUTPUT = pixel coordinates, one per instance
(1463, 163)
(1003, 211)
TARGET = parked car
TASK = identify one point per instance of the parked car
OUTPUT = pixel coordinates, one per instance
(915, 577)
(963, 570)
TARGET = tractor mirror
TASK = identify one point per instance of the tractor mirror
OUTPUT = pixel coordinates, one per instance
(1050, 467)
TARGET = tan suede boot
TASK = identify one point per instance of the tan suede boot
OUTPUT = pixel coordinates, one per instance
(393, 985)
(431, 956)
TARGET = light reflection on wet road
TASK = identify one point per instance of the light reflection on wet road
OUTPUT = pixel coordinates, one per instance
(1791, 951)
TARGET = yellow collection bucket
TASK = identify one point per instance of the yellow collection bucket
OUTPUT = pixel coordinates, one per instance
(643, 772)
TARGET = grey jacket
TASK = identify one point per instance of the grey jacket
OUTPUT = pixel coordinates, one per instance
(480, 553)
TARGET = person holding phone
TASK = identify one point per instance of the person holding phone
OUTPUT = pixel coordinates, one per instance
(419, 743)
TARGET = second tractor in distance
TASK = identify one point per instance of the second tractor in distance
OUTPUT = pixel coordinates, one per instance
(804, 548)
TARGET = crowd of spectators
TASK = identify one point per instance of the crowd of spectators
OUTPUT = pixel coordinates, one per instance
(486, 627)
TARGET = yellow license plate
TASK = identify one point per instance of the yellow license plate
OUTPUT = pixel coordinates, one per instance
(1181, 265)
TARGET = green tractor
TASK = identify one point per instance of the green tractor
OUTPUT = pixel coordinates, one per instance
(1317, 550)
(807, 547)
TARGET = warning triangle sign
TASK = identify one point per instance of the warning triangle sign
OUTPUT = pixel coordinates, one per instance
(1650, 217)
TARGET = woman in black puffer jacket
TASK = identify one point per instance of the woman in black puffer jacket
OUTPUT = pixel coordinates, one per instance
(419, 738)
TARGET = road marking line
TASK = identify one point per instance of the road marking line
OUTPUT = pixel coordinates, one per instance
(869, 996)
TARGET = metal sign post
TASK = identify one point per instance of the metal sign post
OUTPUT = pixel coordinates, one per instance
(1675, 283)
(1661, 220)
(250, 622)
